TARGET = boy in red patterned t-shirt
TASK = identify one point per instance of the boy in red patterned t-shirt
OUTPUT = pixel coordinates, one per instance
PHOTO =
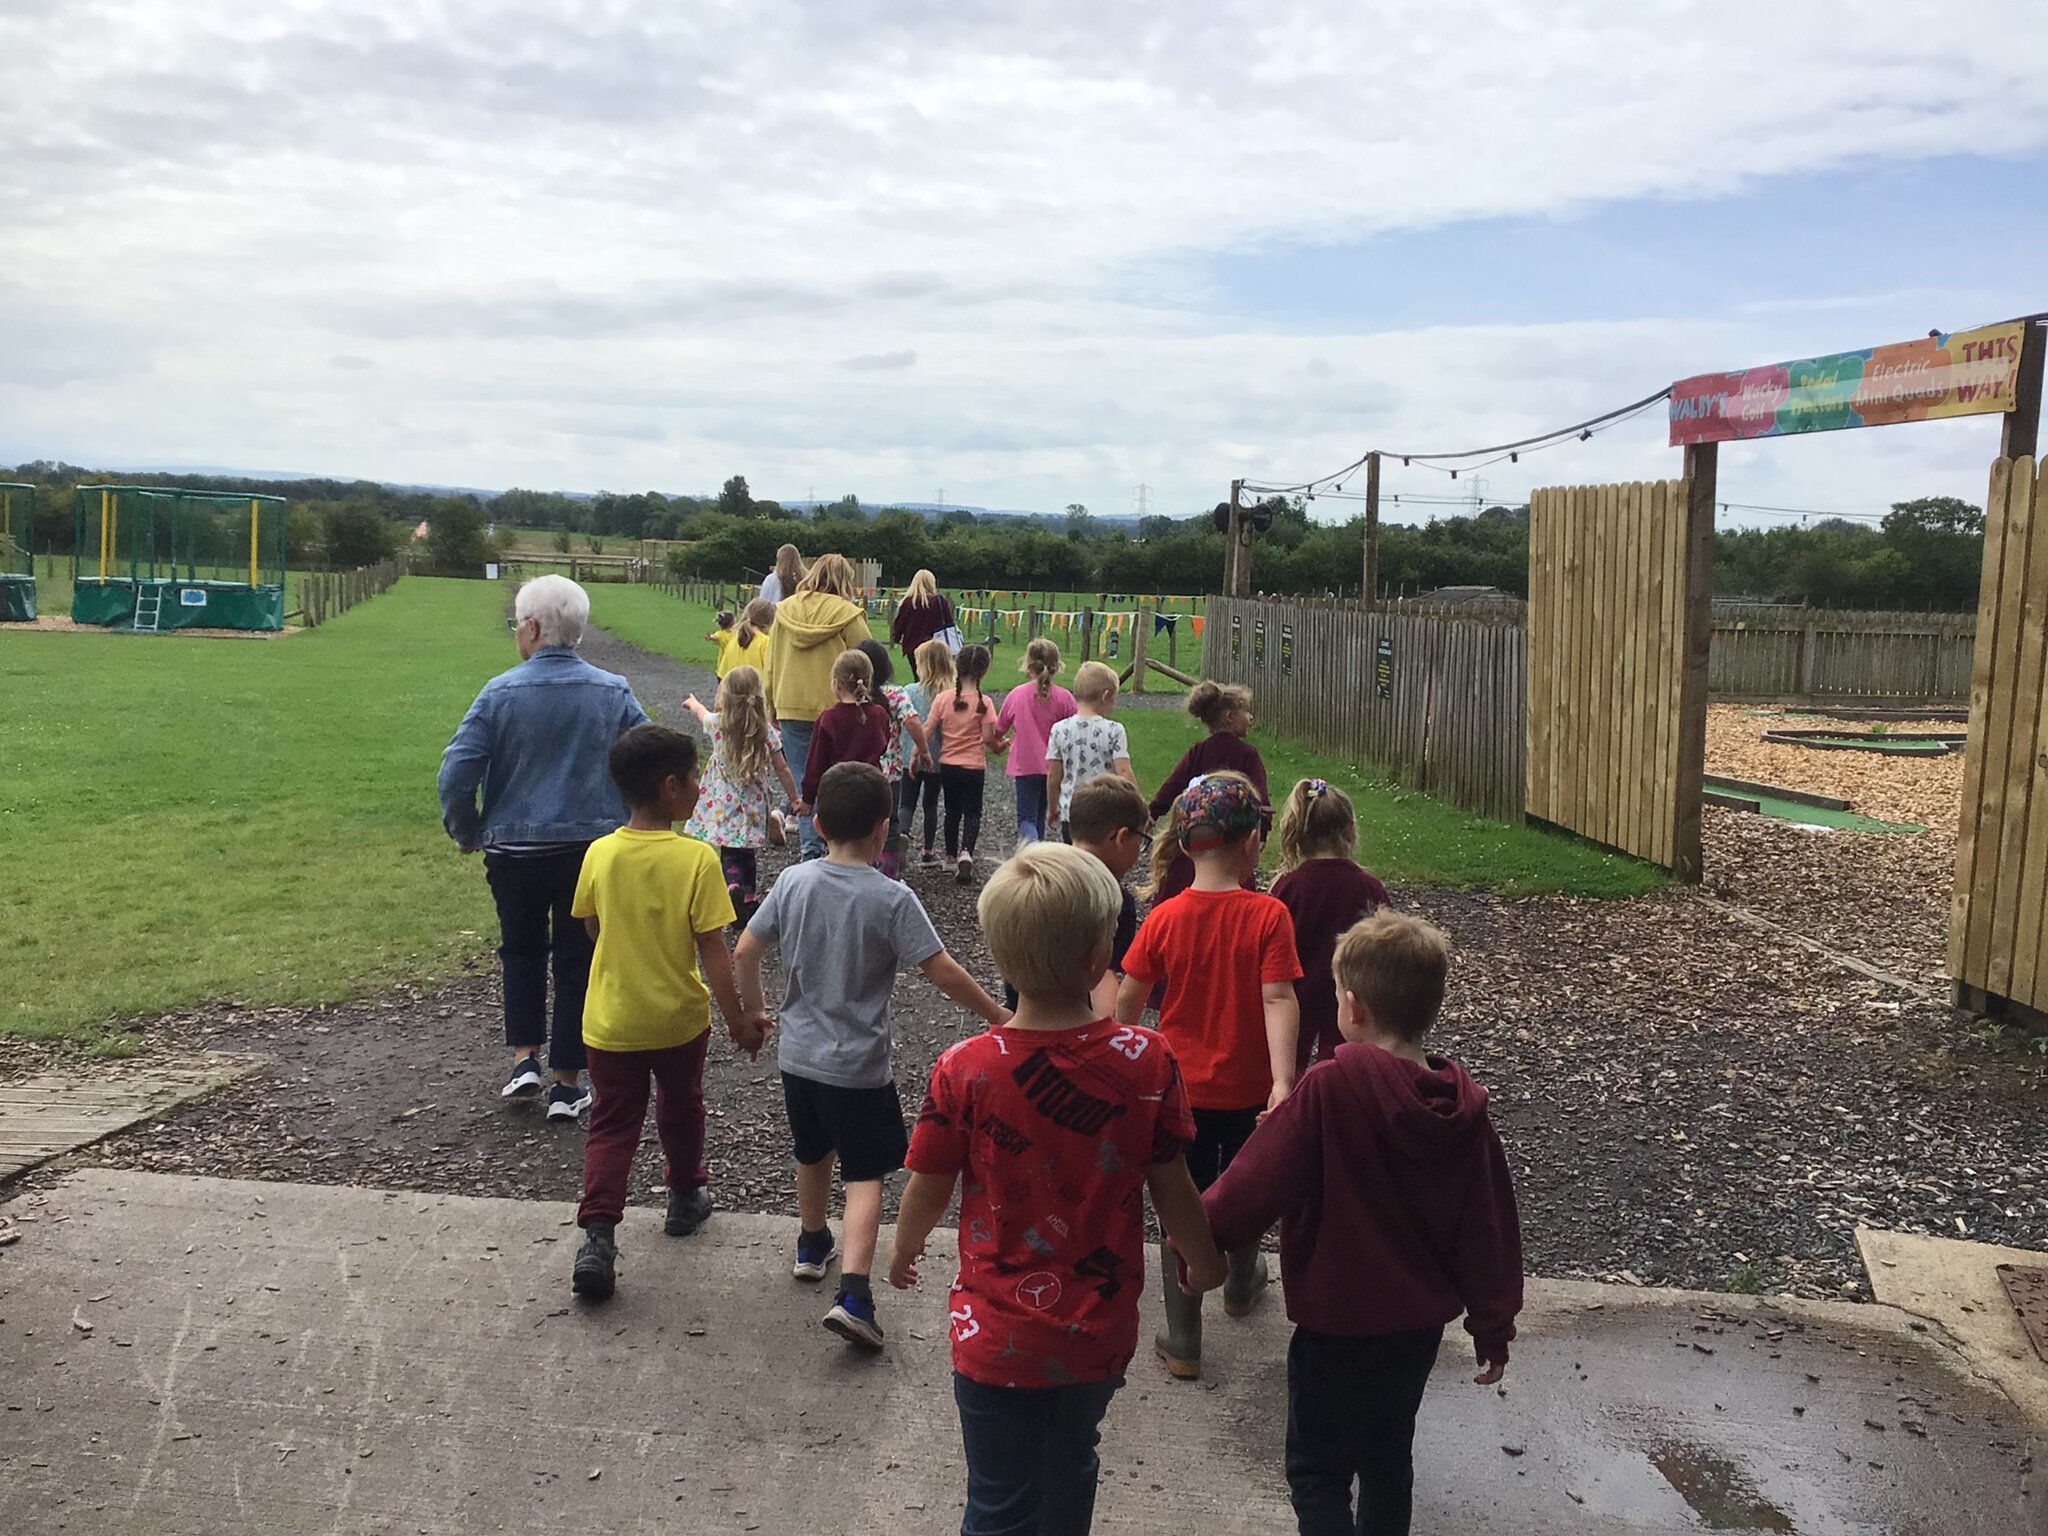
(1061, 1121)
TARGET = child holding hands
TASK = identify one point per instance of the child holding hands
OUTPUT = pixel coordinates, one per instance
(1226, 957)
(844, 930)
(1057, 1118)
(656, 905)
(1383, 1164)
(735, 810)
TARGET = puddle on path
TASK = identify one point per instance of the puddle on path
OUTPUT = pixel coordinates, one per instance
(1719, 1494)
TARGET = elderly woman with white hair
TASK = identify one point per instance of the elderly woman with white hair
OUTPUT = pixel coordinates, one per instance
(537, 744)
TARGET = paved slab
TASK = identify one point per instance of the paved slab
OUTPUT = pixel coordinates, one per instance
(197, 1355)
(45, 1117)
(1955, 1284)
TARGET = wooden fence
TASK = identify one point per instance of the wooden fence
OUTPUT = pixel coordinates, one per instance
(1431, 702)
(1998, 916)
(1616, 585)
(326, 594)
(1785, 654)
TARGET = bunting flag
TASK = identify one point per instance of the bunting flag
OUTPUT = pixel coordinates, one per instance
(1199, 621)
(1164, 621)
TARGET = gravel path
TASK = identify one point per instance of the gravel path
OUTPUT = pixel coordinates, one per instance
(1683, 1097)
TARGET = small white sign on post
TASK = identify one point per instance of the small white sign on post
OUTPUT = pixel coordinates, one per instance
(490, 573)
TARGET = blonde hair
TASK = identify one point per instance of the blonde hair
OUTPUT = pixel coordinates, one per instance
(856, 674)
(757, 618)
(743, 725)
(1317, 823)
(789, 569)
(935, 667)
(1094, 682)
(1050, 914)
(1210, 702)
(1041, 664)
(831, 574)
(1166, 849)
(1395, 964)
(924, 586)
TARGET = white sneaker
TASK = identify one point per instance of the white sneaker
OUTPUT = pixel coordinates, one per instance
(963, 869)
(567, 1100)
(525, 1081)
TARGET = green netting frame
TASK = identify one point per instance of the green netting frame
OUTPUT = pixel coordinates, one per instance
(211, 558)
(17, 528)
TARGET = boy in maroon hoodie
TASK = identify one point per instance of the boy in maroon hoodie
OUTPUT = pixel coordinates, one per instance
(1396, 1214)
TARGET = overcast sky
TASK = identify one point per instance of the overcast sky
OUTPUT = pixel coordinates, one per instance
(1031, 254)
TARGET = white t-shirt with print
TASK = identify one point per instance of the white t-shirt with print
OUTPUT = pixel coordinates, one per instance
(1084, 745)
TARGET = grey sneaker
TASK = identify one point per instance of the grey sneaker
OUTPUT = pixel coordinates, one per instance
(688, 1209)
(593, 1277)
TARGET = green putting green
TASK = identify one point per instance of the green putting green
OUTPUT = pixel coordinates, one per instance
(1817, 816)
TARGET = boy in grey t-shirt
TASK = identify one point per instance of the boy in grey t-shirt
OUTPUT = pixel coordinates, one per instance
(844, 930)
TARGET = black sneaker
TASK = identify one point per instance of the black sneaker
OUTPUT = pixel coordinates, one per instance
(525, 1081)
(814, 1255)
(567, 1100)
(688, 1209)
(853, 1319)
(592, 1278)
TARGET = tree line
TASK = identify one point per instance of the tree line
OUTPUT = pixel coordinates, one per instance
(1925, 554)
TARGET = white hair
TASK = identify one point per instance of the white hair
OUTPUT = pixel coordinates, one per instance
(559, 606)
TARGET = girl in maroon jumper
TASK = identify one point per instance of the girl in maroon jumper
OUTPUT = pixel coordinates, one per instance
(854, 730)
(1325, 892)
(1226, 709)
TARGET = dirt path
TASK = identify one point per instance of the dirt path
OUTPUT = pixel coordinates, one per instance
(1683, 1098)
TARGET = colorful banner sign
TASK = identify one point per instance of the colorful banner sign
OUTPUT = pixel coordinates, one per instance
(1968, 373)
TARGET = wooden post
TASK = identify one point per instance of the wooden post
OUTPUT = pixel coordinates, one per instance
(1233, 543)
(1701, 466)
(1367, 596)
(1087, 633)
(2022, 431)
(1143, 625)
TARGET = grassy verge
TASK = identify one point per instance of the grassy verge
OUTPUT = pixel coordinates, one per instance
(257, 822)
(1405, 837)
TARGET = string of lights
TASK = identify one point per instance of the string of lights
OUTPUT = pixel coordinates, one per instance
(1498, 453)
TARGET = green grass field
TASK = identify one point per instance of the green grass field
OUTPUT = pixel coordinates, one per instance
(193, 819)
(1404, 836)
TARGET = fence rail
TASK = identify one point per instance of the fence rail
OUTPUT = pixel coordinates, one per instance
(324, 595)
(1436, 703)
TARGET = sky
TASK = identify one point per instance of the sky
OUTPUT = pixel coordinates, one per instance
(1019, 255)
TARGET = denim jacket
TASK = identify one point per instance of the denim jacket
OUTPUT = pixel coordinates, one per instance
(537, 741)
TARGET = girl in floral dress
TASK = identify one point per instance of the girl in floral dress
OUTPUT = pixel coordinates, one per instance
(736, 787)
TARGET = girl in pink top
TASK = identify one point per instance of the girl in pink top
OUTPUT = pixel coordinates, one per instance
(1024, 723)
(965, 721)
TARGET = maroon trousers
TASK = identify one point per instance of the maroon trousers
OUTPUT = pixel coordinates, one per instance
(618, 1087)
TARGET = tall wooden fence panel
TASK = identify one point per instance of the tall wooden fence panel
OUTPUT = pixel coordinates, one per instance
(1998, 917)
(1430, 702)
(1611, 572)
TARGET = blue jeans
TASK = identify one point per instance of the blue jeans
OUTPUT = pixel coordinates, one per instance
(1030, 806)
(796, 750)
(1031, 1463)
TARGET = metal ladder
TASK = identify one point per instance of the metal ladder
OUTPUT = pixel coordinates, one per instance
(149, 610)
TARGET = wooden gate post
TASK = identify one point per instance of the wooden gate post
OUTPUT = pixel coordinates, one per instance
(1701, 467)
(1369, 594)
(1143, 624)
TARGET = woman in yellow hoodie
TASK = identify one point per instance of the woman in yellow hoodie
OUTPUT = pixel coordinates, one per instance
(812, 626)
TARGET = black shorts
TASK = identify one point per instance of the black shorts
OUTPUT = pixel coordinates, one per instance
(1220, 1134)
(863, 1125)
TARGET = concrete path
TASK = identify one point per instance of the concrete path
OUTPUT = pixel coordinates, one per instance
(198, 1355)
(45, 1117)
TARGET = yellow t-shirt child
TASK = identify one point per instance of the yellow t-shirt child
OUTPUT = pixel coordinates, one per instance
(728, 643)
(753, 654)
(652, 893)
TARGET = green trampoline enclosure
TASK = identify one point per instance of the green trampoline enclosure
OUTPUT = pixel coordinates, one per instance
(151, 559)
(17, 560)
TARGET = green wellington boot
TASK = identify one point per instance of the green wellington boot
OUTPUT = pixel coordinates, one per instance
(1180, 1342)
(1246, 1283)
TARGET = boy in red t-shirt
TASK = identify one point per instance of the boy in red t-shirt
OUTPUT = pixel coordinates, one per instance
(1227, 958)
(1060, 1120)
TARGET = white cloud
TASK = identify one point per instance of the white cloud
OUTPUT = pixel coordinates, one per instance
(615, 244)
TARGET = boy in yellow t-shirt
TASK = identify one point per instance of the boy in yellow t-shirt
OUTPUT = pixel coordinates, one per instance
(648, 896)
